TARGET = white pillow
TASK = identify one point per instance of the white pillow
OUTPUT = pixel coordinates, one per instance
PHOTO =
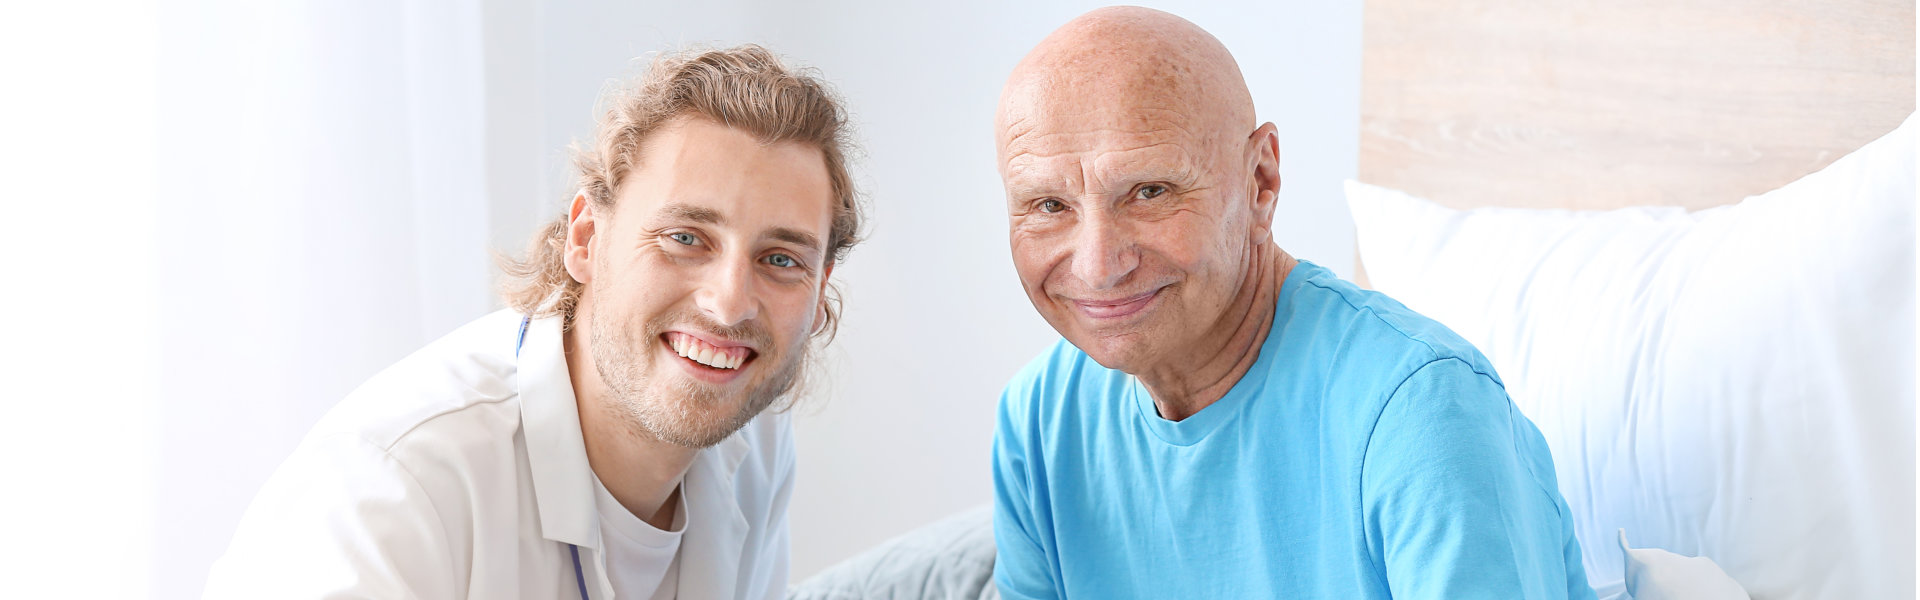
(1735, 383)
(1655, 574)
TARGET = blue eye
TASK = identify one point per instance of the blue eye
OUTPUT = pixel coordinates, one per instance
(783, 261)
(684, 238)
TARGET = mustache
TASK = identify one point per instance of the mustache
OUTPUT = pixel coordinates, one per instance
(750, 331)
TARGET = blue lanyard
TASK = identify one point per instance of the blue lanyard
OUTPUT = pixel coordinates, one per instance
(579, 577)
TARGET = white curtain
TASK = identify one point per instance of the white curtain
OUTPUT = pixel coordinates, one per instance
(222, 216)
(324, 214)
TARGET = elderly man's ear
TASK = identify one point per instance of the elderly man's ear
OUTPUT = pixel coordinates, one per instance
(1263, 152)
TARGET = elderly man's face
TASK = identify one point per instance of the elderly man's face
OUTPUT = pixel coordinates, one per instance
(1132, 220)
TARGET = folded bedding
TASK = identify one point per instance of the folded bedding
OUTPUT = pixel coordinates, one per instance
(1735, 383)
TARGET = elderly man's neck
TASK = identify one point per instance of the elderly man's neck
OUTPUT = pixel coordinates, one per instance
(1200, 376)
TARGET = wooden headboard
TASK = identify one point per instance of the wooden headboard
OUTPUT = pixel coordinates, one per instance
(1593, 104)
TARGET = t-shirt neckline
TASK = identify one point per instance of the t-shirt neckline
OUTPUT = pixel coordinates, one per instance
(1195, 428)
(622, 522)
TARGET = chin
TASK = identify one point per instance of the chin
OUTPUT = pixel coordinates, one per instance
(700, 429)
(1120, 352)
(692, 414)
(687, 412)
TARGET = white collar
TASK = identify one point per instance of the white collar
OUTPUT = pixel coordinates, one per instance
(556, 452)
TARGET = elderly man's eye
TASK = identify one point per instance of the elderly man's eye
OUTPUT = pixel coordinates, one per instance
(1150, 191)
(684, 238)
(1052, 206)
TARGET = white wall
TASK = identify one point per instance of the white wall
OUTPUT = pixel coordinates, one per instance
(936, 321)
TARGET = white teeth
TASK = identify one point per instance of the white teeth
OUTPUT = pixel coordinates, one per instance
(698, 351)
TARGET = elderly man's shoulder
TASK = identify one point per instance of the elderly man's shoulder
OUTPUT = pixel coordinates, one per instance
(1062, 384)
(1368, 333)
(1057, 366)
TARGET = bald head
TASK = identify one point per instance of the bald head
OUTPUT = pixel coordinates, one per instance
(1128, 60)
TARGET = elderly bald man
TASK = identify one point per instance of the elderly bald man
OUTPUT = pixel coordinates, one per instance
(1223, 420)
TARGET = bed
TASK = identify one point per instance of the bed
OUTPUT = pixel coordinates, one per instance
(1602, 104)
(1683, 232)
(1705, 287)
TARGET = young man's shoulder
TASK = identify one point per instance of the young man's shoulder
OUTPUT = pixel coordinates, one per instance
(463, 383)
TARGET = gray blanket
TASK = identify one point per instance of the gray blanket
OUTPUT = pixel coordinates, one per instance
(949, 559)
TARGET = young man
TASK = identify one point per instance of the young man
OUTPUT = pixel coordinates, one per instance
(608, 436)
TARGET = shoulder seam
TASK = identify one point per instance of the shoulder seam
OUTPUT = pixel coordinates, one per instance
(402, 435)
(414, 482)
(1366, 450)
(1433, 352)
(1511, 410)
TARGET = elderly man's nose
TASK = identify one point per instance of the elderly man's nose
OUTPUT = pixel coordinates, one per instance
(726, 293)
(1103, 255)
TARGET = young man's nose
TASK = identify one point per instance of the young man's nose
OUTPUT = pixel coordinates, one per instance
(726, 292)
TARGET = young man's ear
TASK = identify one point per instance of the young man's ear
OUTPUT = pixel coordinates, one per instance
(577, 252)
(820, 310)
(1263, 152)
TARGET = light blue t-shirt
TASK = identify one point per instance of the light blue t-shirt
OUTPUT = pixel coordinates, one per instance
(1368, 453)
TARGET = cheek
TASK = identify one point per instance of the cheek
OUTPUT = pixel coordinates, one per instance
(1192, 243)
(636, 288)
(1034, 257)
(795, 310)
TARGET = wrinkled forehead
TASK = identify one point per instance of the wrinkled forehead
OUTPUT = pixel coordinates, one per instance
(1106, 125)
(1125, 90)
(1044, 149)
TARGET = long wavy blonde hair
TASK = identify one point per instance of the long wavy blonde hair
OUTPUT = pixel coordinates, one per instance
(745, 87)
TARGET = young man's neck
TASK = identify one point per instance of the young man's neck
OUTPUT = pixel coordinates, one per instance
(1182, 388)
(640, 470)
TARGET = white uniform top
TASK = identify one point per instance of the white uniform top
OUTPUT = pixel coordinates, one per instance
(460, 473)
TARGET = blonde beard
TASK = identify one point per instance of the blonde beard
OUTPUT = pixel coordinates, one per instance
(682, 413)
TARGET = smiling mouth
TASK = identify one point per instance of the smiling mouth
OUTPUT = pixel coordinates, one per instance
(1118, 308)
(704, 354)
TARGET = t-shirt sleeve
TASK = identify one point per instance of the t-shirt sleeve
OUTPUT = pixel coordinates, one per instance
(1459, 496)
(340, 519)
(1022, 567)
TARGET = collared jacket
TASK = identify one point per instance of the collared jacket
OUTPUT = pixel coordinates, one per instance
(460, 472)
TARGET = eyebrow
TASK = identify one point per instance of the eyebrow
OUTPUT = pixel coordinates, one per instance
(697, 214)
(701, 214)
(795, 236)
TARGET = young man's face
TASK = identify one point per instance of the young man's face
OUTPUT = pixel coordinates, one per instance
(705, 281)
